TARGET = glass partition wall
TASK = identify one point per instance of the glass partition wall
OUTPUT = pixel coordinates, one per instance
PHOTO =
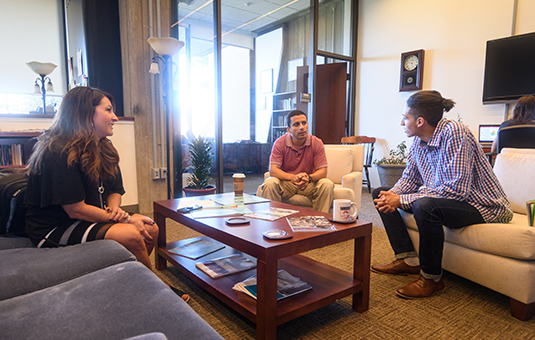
(237, 89)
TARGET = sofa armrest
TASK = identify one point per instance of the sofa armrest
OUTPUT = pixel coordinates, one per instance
(353, 181)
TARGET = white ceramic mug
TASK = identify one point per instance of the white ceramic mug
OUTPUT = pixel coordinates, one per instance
(342, 210)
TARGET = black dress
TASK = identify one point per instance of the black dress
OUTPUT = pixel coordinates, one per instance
(47, 223)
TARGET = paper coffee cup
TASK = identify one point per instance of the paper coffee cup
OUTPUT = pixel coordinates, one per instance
(239, 183)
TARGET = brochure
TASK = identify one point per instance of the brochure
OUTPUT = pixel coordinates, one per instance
(271, 214)
(245, 199)
(287, 285)
(226, 265)
(197, 247)
(310, 223)
(220, 211)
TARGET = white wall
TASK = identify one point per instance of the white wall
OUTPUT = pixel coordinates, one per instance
(123, 140)
(453, 34)
(30, 35)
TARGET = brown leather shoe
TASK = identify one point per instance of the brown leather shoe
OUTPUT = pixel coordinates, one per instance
(421, 288)
(398, 267)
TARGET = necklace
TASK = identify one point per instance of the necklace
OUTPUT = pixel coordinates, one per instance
(100, 192)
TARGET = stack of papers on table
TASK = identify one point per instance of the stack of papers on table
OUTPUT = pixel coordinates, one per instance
(271, 214)
(220, 211)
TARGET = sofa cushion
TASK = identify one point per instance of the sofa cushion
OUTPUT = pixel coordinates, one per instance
(515, 173)
(10, 242)
(509, 239)
(340, 163)
(117, 302)
(24, 270)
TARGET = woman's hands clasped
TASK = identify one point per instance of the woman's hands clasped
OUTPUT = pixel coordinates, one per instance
(140, 222)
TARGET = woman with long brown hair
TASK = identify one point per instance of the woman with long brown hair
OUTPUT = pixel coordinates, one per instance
(75, 185)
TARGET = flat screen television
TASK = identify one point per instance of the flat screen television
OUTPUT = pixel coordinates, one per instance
(509, 68)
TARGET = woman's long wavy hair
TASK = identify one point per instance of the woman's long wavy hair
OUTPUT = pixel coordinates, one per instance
(524, 111)
(72, 132)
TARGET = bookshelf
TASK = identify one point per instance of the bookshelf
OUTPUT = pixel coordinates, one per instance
(283, 103)
(16, 148)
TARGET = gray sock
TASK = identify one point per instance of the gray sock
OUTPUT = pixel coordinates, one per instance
(412, 261)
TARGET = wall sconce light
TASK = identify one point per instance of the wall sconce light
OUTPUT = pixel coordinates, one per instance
(166, 48)
(43, 70)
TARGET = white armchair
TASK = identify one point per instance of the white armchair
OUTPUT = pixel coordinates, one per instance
(345, 170)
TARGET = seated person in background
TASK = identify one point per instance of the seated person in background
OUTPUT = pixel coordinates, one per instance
(447, 182)
(298, 165)
(523, 114)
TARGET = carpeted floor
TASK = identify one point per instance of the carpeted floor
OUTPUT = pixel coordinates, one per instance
(464, 310)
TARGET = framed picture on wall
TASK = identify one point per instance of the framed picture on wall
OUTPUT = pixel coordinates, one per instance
(266, 81)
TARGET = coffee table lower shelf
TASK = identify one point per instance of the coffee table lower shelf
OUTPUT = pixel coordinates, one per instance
(329, 284)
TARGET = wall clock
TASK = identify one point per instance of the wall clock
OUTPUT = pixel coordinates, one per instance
(412, 69)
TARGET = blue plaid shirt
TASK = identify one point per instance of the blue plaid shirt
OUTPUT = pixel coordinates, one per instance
(453, 166)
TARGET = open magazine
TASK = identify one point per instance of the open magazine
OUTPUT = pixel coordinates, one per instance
(310, 223)
(287, 285)
(271, 214)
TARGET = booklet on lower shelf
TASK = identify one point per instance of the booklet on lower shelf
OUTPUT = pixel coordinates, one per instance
(197, 247)
(310, 223)
(226, 265)
(271, 214)
(287, 285)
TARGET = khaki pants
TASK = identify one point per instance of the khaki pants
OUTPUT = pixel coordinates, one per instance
(321, 193)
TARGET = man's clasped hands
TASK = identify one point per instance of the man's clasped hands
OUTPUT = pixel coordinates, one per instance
(301, 180)
(387, 202)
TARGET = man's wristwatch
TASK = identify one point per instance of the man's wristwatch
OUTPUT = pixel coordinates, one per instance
(309, 179)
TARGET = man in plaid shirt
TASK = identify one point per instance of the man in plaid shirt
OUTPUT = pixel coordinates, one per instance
(447, 182)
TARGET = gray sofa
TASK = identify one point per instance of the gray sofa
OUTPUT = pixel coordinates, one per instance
(95, 290)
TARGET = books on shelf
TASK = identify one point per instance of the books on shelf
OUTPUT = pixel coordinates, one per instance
(530, 211)
(11, 154)
(271, 214)
(197, 247)
(226, 265)
(287, 285)
(310, 223)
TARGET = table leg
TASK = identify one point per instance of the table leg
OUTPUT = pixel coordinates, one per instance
(266, 303)
(361, 272)
(160, 262)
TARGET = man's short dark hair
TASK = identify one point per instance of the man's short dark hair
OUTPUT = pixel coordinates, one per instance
(430, 105)
(294, 113)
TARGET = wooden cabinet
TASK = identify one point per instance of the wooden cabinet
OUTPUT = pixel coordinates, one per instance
(16, 148)
(283, 103)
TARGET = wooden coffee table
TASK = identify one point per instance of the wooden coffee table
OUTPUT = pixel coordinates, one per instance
(329, 284)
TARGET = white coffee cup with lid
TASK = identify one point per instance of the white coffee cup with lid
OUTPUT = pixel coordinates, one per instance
(342, 210)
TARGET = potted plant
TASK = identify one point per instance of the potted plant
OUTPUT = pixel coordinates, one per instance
(390, 169)
(200, 151)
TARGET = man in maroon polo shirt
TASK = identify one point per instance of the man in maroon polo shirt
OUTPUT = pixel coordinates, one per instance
(298, 165)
